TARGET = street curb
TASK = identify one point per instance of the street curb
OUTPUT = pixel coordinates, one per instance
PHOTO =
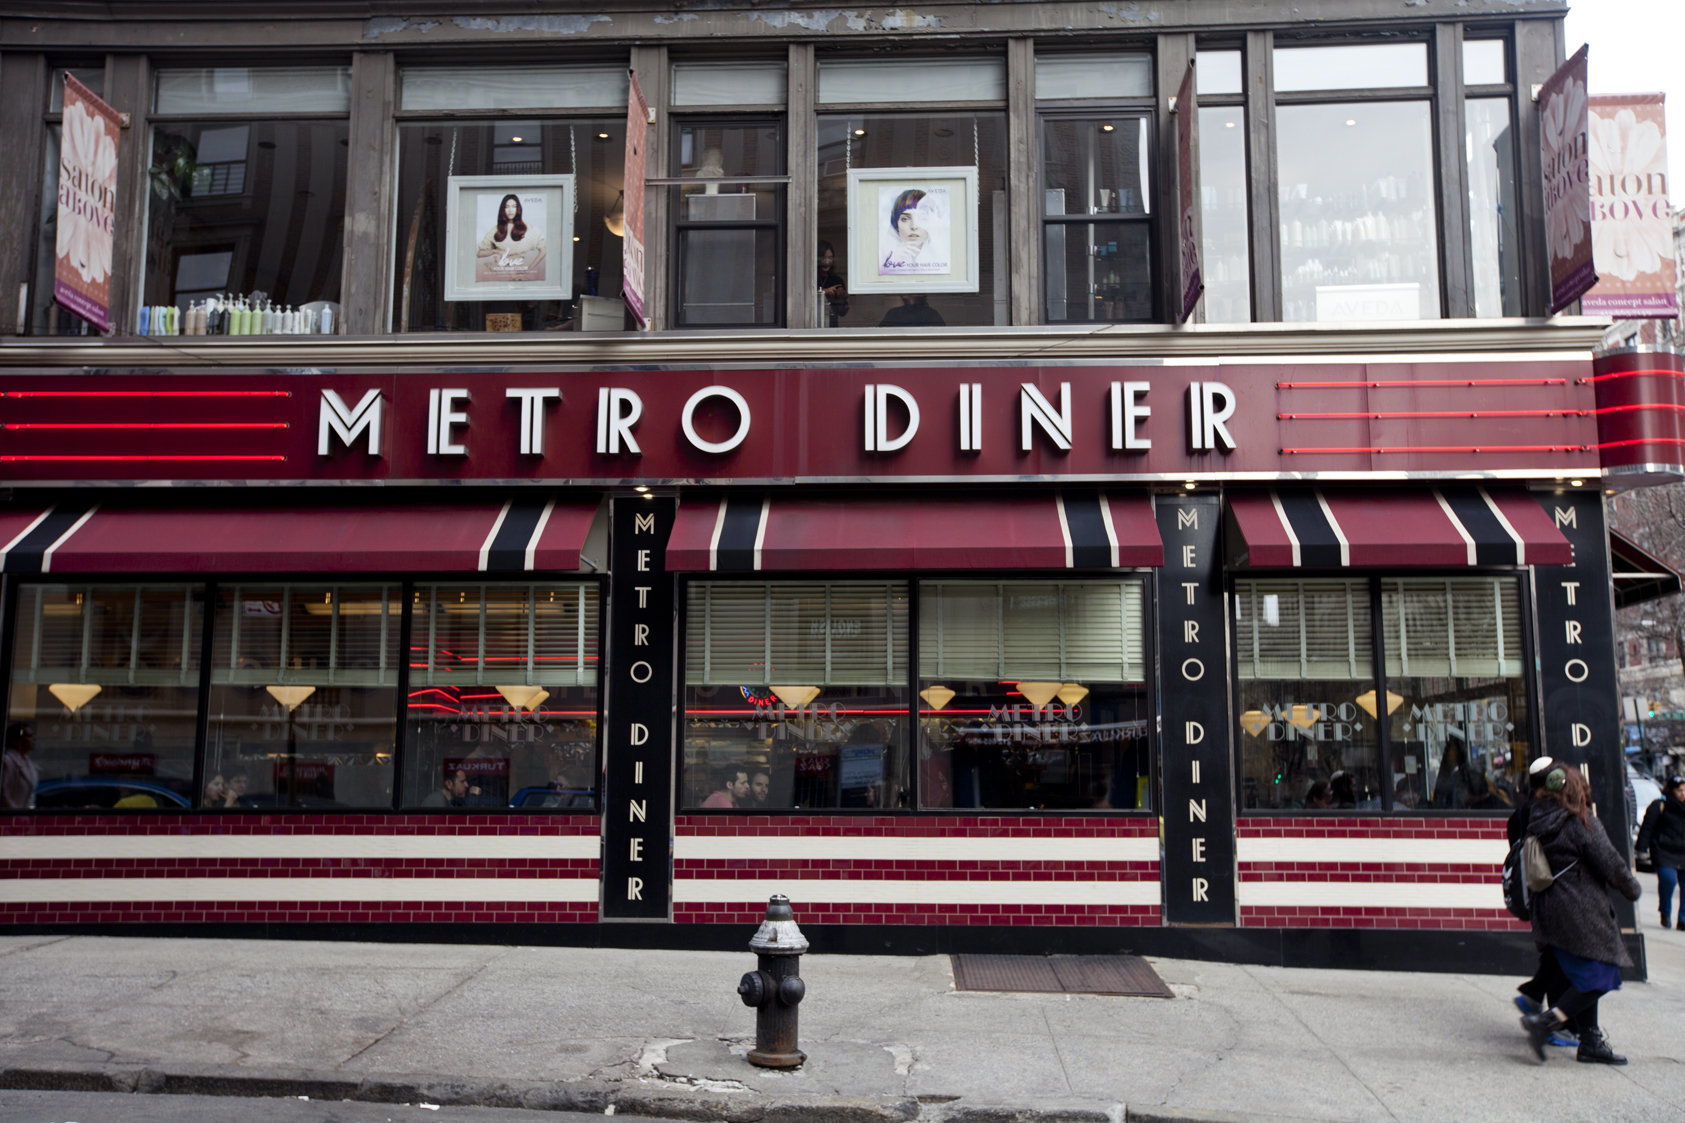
(596, 1097)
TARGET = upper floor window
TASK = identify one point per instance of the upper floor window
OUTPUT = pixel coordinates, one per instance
(1096, 188)
(247, 192)
(1356, 186)
(922, 240)
(470, 139)
(1225, 231)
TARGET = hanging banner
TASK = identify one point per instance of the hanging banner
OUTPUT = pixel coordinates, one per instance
(87, 208)
(1187, 110)
(1563, 154)
(632, 244)
(1631, 225)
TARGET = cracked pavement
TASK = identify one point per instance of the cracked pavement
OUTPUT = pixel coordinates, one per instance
(660, 1032)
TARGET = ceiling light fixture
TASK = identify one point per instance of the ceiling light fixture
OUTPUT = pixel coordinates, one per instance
(74, 695)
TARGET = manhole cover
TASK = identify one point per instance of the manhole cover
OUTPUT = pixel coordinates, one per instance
(1060, 974)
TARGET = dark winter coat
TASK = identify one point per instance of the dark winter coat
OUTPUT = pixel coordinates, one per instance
(1663, 833)
(1575, 913)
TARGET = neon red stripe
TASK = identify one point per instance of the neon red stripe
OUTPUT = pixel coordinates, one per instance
(1635, 374)
(1641, 405)
(1435, 413)
(1642, 441)
(1425, 382)
(135, 459)
(1442, 448)
(146, 393)
(153, 425)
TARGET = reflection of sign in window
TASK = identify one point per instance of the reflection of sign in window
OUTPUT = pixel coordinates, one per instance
(862, 766)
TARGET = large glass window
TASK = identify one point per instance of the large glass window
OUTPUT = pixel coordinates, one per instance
(105, 692)
(502, 707)
(1456, 696)
(1359, 235)
(1225, 234)
(796, 695)
(1033, 695)
(871, 117)
(430, 153)
(247, 189)
(729, 225)
(304, 692)
(1304, 654)
(1448, 713)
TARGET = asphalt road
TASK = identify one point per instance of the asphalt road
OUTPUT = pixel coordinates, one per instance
(109, 1107)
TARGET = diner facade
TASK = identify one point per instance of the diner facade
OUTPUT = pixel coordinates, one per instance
(1015, 477)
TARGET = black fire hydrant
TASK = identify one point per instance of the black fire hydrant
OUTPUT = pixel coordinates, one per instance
(776, 989)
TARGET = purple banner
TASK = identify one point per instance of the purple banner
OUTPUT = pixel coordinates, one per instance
(1564, 155)
(1187, 111)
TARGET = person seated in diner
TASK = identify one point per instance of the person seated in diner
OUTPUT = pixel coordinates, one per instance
(731, 787)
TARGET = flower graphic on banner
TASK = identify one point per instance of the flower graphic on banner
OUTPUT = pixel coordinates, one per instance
(1560, 123)
(1625, 150)
(81, 240)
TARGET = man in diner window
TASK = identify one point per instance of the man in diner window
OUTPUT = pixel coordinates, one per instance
(731, 787)
(454, 793)
(760, 786)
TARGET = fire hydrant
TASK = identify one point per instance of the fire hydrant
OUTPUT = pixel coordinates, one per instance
(776, 989)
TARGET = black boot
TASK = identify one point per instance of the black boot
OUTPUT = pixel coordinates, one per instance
(1681, 923)
(1539, 1027)
(1594, 1049)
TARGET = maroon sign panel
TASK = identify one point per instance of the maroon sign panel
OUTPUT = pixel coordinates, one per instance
(976, 423)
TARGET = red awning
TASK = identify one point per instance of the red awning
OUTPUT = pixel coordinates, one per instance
(523, 534)
(1054, 530)
(1385, 529)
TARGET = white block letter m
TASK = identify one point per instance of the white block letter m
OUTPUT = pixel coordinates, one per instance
(350, 422)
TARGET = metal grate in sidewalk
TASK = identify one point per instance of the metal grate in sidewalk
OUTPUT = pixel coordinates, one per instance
(1127, 975)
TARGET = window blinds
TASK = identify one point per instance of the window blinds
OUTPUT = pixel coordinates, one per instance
(308, 635)
(847, 633)
(1079, 631)
(1291, 629)
(1452, 627)
(490, 635)
(109, 634)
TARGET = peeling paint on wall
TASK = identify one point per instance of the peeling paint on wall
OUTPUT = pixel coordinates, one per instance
(677, 17)
(1131, 12)
(392, 25)
(506, 25)
(807, 21)
(902, 19)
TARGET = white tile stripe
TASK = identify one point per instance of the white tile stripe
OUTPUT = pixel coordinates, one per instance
(813, 891)
(1431, 851)
(107, 890)
(1371, 894)
(810, 848)
(107, 846)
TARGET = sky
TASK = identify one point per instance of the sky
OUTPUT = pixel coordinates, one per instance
(1638, 47)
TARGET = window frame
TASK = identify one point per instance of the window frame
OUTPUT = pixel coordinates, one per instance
(1522, 579)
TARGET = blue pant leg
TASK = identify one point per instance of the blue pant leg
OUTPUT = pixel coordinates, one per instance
(1667, 880)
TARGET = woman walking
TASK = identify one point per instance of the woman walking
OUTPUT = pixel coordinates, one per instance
(1573, 918)
(1663, 835)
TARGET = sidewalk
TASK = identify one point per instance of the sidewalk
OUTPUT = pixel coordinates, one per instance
(663, 1034)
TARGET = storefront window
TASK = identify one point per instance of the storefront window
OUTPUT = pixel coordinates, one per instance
(105, 685)
(796, 695)
(1308, 734)
(502, 707)
(1033, 695)
(728, 231)
(1456, 695)
(303, 705)
(247, 201)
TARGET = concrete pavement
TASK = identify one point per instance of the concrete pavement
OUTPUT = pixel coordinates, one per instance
(663, 1034)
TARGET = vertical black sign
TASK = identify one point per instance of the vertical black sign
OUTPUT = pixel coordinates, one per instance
(637, 676)
(1194, 732)
(1576, 626)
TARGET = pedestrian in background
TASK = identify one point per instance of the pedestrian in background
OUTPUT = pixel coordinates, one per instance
(1663, 835)
(1547, 984)
(1573, 917)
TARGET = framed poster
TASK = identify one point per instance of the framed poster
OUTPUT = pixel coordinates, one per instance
(509, 237)
(912, 230)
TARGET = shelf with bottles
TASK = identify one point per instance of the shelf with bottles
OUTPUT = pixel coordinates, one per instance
(238, 314)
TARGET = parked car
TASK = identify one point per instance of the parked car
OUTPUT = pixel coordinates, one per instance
(1641, 792)
(104, 795)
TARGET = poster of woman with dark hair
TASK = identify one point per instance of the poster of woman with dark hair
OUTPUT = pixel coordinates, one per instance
(512, 248)
(915, 234)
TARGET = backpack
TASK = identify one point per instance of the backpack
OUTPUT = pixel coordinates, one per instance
(1526, 873)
